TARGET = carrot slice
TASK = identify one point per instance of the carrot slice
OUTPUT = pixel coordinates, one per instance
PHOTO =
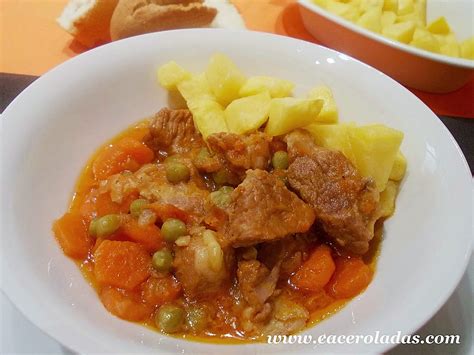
(158, 291)
(136, 150)
(121, 264)
(315, 272)
(127, 154)
(149, 236)
(352, 276)
(71, 232)
(124, 304)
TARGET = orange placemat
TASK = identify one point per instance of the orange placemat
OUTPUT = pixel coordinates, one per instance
(32, 43)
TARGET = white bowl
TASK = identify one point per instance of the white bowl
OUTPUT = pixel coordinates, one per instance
(52, 128)
(413, 67)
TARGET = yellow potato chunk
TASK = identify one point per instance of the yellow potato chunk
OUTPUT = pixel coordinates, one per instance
(349, 11)
(390, 5)
(420, 10)
(450, 48)
(387, 200)
(402, 32)
(375, 148)
(276, 87)
(287, 114)
(322, 3)
(329, 112)
(195, 87)
(208, 114)
(248, 113)
(425, 40)
(467, 48)
(171, 74)
(224, 78)
(405, 7)
(439, 26)
(399, 167)
(371, 20)
(388, 18)
(333, 136)
(367, 5)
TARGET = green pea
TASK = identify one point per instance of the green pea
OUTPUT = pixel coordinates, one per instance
(220, 177)
(226, 189)
(171, 159)
(280, 160)
(108, 224)
(197, 318)
(93, 227)
(177, 172)
(169, 318)
(203, 155)
(162, 260)
(172, 229)
(136, 207)
(220, 198)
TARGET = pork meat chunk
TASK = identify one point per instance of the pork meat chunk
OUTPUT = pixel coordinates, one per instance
(238, 153)
(174, 131)
(345, 203)
(263, 209)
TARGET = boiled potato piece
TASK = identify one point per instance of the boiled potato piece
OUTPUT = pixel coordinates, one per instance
(275, 86)
(420, 10)
(402, 32)
(208, 114)
(371, 20)
(171, 74)
(224, 78)
(425, 40)
(348, 10)
(366, 5)
(333, 136)
(439, 26)
(390, 5)
(375, 148)
(388, 18)
(248, 113)
(399, 167)
(329, 112)
(467, 48)
(450, 48)
(195, 87)
(287, 114)
(405, 7)
(387, 200)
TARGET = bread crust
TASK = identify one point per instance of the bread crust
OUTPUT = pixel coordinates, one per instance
(134, 17)
(93, 28)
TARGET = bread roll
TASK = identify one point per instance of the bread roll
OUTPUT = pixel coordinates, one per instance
(134, 17)
(88, 20)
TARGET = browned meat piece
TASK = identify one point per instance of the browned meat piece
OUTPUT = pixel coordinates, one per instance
(174, 131)
(256, 282)
(345, 203)
(290, 252)
(203, 266)
(239, 153)
(150, 182)
(263, 209)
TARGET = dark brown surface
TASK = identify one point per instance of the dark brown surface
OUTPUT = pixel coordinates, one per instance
(462, 129)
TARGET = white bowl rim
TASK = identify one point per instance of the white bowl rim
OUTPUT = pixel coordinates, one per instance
(444, 59)
(445, 293)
